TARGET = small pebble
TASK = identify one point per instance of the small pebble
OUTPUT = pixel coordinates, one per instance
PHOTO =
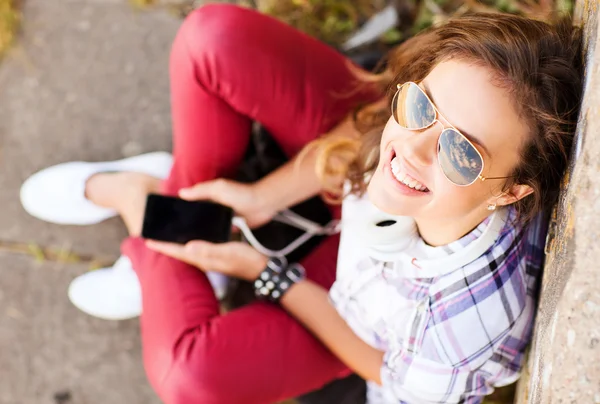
(129, 68)
(591, 306)
(71, 98)
(62, 397)
(131, 148)
(553, 327)
(547, 373)
(32, 82)
(583, 380)
(14, 313)
(84, 26)
(570, 338)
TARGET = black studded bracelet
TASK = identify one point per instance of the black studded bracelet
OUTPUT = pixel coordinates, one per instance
(276, 279)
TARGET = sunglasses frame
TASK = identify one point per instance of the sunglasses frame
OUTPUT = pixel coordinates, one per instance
(450, 127)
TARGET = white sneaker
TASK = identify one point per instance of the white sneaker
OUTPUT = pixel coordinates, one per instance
(57, 194)
(112, 293)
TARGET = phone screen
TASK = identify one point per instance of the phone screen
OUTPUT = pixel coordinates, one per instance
(176, 220)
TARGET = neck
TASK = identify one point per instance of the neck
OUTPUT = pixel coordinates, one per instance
(436, 232)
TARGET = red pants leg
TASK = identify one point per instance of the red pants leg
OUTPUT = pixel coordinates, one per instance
(230, 66)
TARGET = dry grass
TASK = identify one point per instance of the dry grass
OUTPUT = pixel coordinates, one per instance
(329, 20)
(142, 3)
(433, 12)
(333, 20)
(9, 23)
(63, 254)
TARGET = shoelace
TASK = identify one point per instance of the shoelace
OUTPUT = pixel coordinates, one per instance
(292, 219)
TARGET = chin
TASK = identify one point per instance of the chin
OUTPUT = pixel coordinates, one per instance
(389, 203)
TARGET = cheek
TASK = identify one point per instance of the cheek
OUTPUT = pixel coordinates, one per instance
(461, 200)
(391, 132)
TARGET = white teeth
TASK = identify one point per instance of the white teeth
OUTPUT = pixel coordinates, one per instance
(395, 165)
(404, 177)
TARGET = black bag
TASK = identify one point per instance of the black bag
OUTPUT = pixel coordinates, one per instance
(262, 157)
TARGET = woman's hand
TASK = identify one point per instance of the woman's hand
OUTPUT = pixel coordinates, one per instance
(242, 198)
(234, 259)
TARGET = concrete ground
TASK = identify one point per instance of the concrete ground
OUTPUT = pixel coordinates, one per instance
(87, 81)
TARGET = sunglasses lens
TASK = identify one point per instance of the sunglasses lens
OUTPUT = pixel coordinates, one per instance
(411, 108)
(460, 161)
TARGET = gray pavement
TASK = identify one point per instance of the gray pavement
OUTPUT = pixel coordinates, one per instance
(87, 81)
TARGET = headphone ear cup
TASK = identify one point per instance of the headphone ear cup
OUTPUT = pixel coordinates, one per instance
(383, 229)
(374, 226)
(366, 231)
(386, 223)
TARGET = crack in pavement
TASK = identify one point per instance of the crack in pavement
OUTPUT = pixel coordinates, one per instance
(52, 254)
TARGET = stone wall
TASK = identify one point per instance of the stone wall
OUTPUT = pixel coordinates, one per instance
(564, 364)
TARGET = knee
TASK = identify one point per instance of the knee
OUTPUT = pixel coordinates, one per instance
(216, 27)
(212, 38)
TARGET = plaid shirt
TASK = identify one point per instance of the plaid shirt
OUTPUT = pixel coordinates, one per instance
(450, 336)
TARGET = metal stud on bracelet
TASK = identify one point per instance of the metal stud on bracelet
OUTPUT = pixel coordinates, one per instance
(266, 281)
(276, 279)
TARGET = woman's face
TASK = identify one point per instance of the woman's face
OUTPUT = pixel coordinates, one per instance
(466, 98)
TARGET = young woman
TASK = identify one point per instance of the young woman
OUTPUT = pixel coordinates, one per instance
(442, 235)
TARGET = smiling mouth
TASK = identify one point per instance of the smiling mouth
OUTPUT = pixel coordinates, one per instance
(404, 178)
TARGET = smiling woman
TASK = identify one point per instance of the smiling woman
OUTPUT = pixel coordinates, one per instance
(429, 293)
(485, 82)
(483, 114)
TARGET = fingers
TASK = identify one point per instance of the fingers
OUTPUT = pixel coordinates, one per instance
(171, 249)
(204, 255)
(198, 251)
(233, 258)
(209, 256)
(215, 190)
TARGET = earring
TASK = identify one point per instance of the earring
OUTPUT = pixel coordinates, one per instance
(491, 206)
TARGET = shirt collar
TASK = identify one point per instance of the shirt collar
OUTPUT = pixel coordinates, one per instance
(420, 260)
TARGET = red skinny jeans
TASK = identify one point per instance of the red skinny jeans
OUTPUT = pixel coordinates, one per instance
(230, 66)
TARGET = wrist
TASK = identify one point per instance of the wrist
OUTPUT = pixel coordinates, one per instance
(257, 265)
(301, 284)
(265, 200)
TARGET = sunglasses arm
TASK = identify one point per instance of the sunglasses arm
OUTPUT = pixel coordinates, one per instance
(482, 178)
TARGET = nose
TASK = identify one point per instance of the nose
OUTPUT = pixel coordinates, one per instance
(421, 146)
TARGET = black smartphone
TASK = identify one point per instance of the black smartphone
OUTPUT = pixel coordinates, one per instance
(172, 219)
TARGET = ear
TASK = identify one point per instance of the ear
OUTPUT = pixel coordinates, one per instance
(514, 194)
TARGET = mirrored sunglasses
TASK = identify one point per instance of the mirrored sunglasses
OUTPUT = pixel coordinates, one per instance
(459, 159)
